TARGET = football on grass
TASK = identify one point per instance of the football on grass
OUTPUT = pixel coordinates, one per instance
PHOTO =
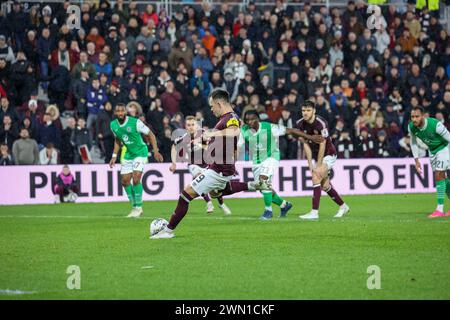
(157, 225)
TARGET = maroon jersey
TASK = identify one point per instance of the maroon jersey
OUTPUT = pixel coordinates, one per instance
(319, 126)
(224, 149)
(192, 147)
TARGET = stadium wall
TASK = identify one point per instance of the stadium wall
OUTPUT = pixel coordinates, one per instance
(99, 183)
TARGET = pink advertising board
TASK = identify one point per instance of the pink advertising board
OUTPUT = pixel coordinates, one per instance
(99, 183)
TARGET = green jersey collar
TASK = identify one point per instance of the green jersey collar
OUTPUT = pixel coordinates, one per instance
(424, 125)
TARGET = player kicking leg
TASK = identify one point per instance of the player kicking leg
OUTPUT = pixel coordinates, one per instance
(190, 147)
(219, 175)
(207, 182)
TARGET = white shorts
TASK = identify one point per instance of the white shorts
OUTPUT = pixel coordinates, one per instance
(128, 166)
(330, 161)
(441, 160)
(195, 170)
(265, 168)
(208, 181)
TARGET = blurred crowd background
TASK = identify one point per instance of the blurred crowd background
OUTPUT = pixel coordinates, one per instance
(59, 85)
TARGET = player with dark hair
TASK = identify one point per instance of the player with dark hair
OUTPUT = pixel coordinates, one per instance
(191, 147)
(217, 178)
(436, 136)
(127, 130)
(324, 156)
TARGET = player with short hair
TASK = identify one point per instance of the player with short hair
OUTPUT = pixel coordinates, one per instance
(324, 155)
(436, 136)
(262, 138)
(217, 178)
(128, 131)
(191, 148)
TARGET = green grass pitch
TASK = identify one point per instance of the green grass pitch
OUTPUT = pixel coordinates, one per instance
(236, 257)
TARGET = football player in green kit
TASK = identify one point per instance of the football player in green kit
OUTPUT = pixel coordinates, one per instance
(436, 136)
(128, 131)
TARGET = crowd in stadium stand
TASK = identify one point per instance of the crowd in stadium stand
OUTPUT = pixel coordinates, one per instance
(59, 86)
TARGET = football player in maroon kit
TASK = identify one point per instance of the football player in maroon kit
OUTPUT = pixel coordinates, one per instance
(191, 147)
(324, 156)
(221, 153)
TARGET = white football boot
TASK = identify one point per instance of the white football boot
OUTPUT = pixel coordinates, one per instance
(165, 233)
(136, 212)
(225, 209)
(209, 207)
(310, 216)
(344, 209)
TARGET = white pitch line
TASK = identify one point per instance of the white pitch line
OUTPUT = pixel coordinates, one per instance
(15, 292)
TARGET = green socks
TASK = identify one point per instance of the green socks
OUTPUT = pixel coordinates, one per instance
(440, 188)
(277, 199)
(130, 194)
(267, 199)
(138, 195)
(447, 187)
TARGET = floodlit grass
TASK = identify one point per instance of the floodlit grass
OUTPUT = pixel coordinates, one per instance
(236, 257)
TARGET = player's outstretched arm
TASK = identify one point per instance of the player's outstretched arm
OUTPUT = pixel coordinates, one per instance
(112, 162)
(317, 138)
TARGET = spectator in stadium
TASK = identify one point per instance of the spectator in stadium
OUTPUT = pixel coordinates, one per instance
(48, 155)
(288, 143)
(83, 65)
(58, 87)
(411, 59)
(6, 52)
(48, 132)
(80, 137)
(25, 150)
(65, 184)
(104, 134)
(344, 145)
(201, 61)
(6, 158)
(170, 99)
(22, 79)
(200, 80)
(9, 131)
(96, 98)
(181, 53)
(382, 148)
(366, 144)
(67, 149)
(103, 65)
